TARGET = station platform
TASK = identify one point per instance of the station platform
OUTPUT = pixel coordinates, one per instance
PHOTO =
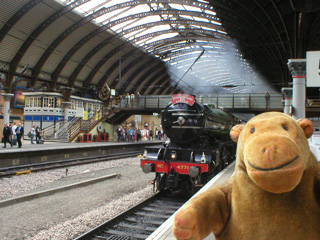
(164, 232)
(55, 151)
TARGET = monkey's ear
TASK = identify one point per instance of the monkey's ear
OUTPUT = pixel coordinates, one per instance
(307, 126)
(235, 132)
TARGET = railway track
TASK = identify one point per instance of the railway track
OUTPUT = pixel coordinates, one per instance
(139, 221)
(24, 169)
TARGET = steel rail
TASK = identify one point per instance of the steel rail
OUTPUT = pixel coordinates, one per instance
(25, 169)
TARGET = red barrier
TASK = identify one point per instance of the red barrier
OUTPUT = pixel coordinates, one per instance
(87, 137)
(105, 137)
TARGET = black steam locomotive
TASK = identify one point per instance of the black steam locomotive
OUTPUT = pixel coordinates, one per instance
(199, 145)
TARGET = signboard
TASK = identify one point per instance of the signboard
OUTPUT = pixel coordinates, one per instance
(59, 118)
(313, 69)
(137, 118)
(47, 118)
(19, 99)
(183, 98)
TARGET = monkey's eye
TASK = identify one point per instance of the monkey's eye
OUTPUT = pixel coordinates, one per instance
(285, 127)
(252, 130)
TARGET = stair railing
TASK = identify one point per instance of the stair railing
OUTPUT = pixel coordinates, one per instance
(49, 132)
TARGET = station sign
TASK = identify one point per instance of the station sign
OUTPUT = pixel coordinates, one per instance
(313, 69)
(137, 118)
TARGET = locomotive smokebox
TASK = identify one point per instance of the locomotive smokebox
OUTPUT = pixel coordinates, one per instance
(187, 122)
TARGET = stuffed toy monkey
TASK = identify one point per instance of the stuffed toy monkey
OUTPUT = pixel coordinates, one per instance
(274, 193)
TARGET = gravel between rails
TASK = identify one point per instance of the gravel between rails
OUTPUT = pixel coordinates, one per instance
(18, 185)
(83, 223)
(68, 214)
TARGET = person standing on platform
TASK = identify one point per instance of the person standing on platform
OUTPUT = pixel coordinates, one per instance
(130, 135)
(267, 96)
(38, 137)
(119, 130)
(138, 133)
(19, 132)
(33, 134)
(128, 98)
(14, 134)
(6, 135)
(150, 135)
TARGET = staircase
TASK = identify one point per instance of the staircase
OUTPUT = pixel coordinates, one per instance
(58, 132)
(67, 131)
(49, 133)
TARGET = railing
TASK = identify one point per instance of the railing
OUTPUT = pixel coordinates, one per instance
(234, 101)
(87, 125)
(313, 103)
(66, 126)
(74, 130)
(50, 131)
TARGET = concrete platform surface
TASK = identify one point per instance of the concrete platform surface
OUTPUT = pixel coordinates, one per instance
(27, 146)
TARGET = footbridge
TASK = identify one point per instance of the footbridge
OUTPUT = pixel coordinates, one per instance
(119, 109)
(123, 107)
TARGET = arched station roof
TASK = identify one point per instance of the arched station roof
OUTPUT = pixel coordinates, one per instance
(155, 46)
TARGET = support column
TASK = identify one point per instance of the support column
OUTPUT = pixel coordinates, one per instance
(66, 110)
(297, 68)
(6, 112)
(287, 93)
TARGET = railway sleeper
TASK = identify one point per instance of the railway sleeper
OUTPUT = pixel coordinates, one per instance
(168, 207)
(166, 211)
(137, 227)
(148, 215)
(126, 234)
(153, 221)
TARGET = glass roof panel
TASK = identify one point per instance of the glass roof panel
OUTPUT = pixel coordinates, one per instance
(214, 59)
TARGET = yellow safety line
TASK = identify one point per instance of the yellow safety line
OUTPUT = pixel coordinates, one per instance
(23, 172)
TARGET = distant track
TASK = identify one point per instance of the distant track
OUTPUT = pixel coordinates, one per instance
(24, 169)
(140, 221)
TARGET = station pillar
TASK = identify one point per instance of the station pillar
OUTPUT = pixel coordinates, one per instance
(6, 112)
(66, 110)
(297, 68)
(287, 93)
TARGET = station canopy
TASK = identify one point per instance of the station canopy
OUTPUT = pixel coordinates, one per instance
(154, 46)
(188, 36)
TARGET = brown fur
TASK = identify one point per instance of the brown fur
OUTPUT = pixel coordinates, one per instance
(273, 194)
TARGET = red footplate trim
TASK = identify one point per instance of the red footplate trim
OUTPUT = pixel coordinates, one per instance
(179, 167)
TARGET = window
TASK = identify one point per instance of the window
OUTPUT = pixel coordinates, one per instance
(48, 102)
(33, 102)
(80, 104)
(73, 104)
(90, 107)
(58, 102)
(27, 104)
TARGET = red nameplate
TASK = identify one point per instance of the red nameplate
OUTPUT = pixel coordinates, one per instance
(183, 98)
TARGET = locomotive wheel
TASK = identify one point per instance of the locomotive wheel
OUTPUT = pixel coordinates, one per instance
(221, 160)
(204, 178)
(159, 183)
(226, 156)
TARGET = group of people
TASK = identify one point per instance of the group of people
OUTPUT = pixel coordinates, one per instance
(133, 134)
(12, 133)
(35, 134)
